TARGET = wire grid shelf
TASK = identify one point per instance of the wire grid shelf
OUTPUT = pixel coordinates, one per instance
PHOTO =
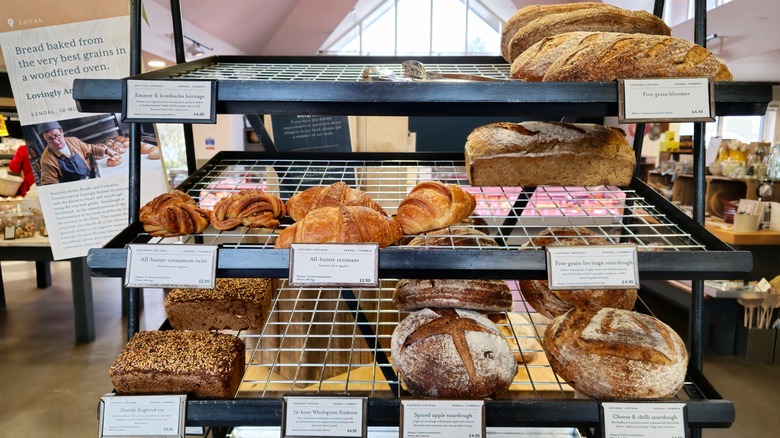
(325, 72)
(511, 215)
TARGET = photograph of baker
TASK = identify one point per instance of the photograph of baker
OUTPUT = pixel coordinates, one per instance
(67, 159)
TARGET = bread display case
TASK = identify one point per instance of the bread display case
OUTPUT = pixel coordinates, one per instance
(336, 340)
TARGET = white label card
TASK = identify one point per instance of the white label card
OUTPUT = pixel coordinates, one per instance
(644, 420)
(334, 264)
(168, 266)
(666, 99)
(442, 418)
(170, 101)
(592, 267)
(142, 416)
(324, 416)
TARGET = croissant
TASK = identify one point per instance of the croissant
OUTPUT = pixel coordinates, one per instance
(432, 205)
(333, 195)
(173, 214)
(343, 224)
(249, 208)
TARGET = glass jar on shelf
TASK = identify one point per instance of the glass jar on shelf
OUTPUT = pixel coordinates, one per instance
(17, 224)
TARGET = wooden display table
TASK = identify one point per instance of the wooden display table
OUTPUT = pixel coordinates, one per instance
(726, 233)
(37, 249)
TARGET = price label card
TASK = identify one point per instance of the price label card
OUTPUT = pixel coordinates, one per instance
(592, 267)
(168, 266)
(666, 99)
(644, 420)
(334, 264)
(324, 416)
(142, 416)
(169, 101)
(442, 418)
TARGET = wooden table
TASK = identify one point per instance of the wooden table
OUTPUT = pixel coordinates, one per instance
(38, 249)
(726, 233)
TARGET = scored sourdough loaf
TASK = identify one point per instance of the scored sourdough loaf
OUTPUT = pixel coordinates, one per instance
(602, 19)
(204, 364)
(615, 354)
(451, 353)
(607, 56)
(548, 153)
(234, 304)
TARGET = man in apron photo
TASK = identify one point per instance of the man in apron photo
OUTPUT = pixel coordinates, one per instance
(67, 159)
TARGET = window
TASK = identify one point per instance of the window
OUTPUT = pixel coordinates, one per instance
(711, 4)
(423, 27)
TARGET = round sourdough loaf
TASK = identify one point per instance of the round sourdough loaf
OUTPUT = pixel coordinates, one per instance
(615, 354)
(450, 353)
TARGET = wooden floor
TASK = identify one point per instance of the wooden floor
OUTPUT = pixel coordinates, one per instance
(50, 386)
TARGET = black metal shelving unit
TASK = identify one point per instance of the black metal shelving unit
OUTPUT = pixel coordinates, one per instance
(672, 245)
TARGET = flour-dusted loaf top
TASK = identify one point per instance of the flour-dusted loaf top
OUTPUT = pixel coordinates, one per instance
(449, 353)
(548, 153)
(205, 364)
(453, 236)
(615, 354)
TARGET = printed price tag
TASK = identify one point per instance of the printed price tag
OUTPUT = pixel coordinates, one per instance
(666, 99)
(324, 416)
(334, 264)
(168, 266)
(644, 420)
(446, 418)
(763, 285)
(169, 101)
(142, 416)
(592, 267)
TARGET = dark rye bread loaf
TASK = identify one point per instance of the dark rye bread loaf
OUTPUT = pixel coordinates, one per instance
(203, 364)
(601, 19)
(450, 353)
(615, 354)
(606, 56)
(548, 153)
(235, 304)
(552, 303)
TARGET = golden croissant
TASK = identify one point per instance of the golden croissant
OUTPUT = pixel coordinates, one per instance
(343, 224)
(432, 205)
(333, 195)
(173, 214)
(248, 208)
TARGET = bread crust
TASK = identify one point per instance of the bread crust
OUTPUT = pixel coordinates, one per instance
(432, 205)
(615, 354)
(344, 224)
(479, 295)
(548, 153)
(334, 195)
(248, 208)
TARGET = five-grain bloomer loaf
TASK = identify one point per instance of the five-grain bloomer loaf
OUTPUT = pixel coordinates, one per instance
(203, 364)
(548, 153)
(615, 354)
(235, 304)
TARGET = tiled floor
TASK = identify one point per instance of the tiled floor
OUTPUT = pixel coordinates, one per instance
(50, 386)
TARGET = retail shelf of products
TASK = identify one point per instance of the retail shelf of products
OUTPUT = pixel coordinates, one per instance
(338, 85)
(670, 245)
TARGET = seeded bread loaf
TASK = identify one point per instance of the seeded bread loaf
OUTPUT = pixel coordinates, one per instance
(548, 153)
(449, 353)
(615, 354)
(235, 304)
(203, 364)
(606, 56)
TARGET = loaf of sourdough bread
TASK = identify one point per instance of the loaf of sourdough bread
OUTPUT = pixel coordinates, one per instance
(203, 364)
(548, 153)
(615, 354)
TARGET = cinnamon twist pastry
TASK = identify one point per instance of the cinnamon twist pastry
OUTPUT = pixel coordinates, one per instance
(333, 195)
(343, 224)
(173, 214)
(248, 208)
(432, 205)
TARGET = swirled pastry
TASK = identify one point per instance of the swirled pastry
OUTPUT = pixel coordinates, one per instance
(248, 208)
(173, 214)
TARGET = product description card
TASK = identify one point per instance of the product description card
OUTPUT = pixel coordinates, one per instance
(592, 267)
(644, 420)
(169, 101)
(142, 416)
(168, 266)
(442, 418)
(334, 264)
(324, 416)
(666, 99)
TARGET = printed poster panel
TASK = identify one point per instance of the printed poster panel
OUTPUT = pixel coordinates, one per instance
(79, 160)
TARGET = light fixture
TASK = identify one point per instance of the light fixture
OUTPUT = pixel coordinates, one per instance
(156, 63)
(195, 49)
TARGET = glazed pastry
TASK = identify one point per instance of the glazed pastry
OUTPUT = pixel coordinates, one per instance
(432, 205)
(248, 208)
(344, 224)
(333, 195)
(173, 214)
